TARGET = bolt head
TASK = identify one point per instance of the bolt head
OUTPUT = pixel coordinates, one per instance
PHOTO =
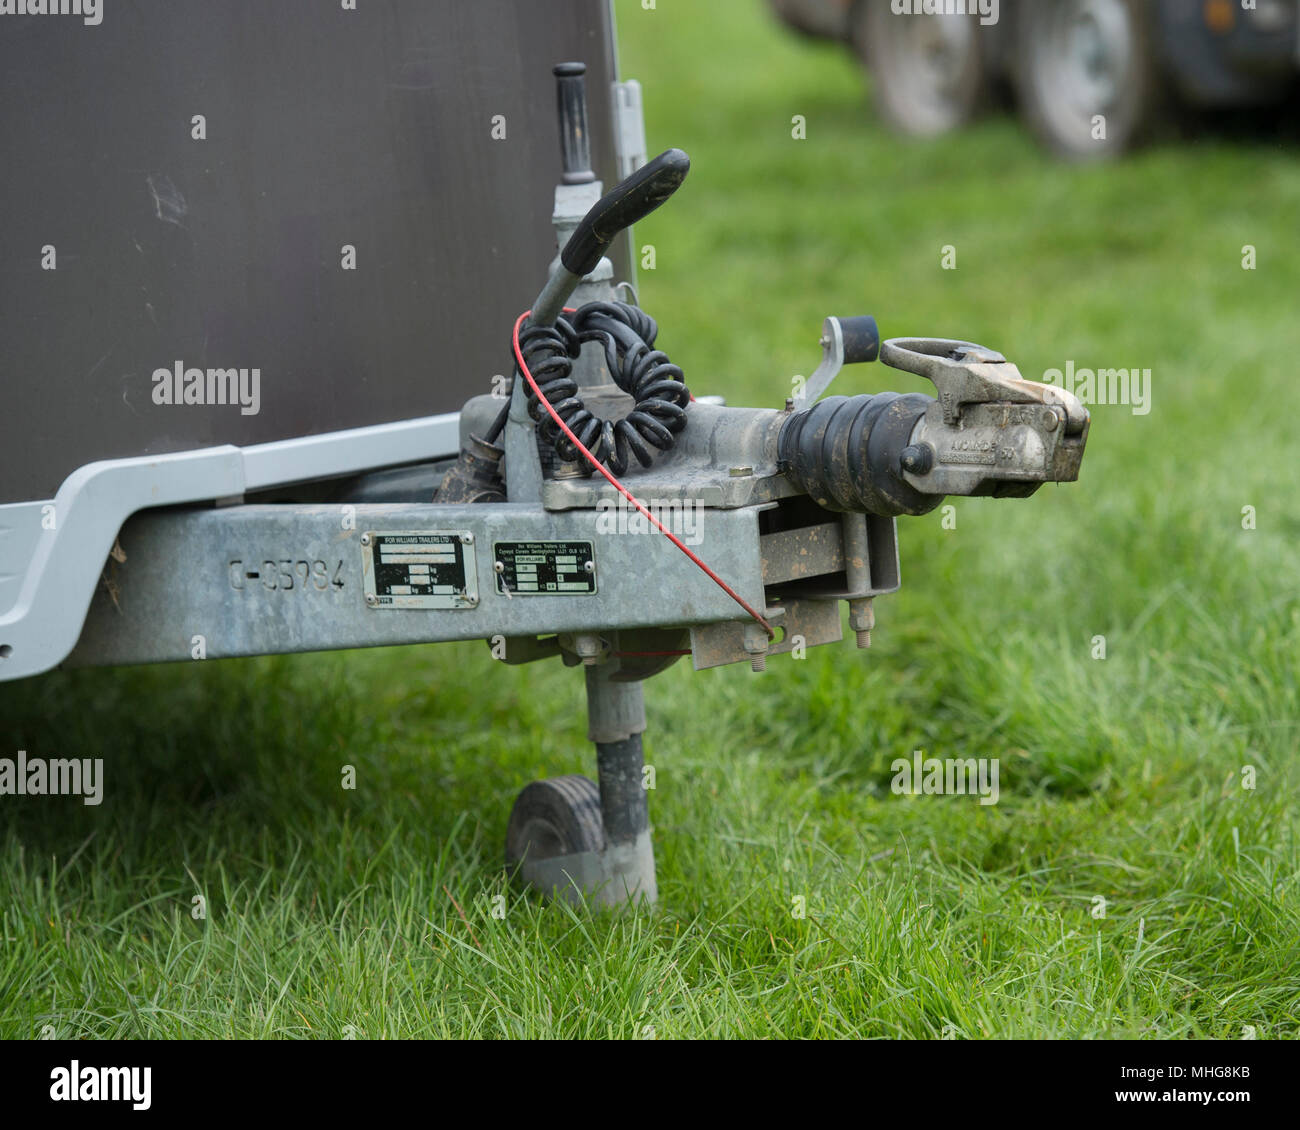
(365, 539)
(917, 458)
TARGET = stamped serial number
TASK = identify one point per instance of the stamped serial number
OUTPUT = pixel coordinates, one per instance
(286, 574)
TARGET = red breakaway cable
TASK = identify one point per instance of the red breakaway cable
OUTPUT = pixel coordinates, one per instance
(573, 439)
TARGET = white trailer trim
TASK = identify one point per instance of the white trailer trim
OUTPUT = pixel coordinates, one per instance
(53, 551)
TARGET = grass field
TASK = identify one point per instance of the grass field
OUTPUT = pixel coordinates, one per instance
(335, 913)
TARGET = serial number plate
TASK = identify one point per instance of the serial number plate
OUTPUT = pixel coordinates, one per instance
(420, 569)
(545, 568)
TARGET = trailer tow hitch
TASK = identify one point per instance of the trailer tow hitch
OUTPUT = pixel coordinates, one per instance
(990, 432)
(800, 504)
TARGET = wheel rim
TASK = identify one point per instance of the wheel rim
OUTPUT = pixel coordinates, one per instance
(927, 63)
(1085, 59)
(541, 840)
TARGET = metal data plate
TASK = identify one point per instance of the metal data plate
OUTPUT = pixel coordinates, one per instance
(545, 568)
(419, 569)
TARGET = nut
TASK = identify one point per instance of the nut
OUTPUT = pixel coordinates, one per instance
(588, 648)
(862, 618)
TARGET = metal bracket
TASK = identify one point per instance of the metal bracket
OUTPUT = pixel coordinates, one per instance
(629, 128)
(523, 464)
(832, 343)
(841, 345)
(811, 623)
(616, 875)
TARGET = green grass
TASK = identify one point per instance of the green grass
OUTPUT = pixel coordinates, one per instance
(330, 912)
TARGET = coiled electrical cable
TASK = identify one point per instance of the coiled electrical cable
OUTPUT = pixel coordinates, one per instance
(534, 389)
(627, 334)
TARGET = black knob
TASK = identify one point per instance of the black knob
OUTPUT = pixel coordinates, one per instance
(571, 104)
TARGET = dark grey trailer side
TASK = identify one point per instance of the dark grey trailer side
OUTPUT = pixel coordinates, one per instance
(184, 178)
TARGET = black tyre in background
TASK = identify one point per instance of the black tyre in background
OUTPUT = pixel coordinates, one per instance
(928, 72)
(1078, 61)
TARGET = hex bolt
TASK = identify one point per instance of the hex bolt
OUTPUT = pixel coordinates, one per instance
(862, 618)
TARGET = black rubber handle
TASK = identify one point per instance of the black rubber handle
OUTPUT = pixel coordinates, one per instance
(861, 339)
(622, 206)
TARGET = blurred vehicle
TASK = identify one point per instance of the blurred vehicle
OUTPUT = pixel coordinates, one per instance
(1091, 77)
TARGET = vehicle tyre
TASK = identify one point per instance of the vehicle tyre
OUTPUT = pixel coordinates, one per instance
(556, 817)
(928, 72)
(1078, 61)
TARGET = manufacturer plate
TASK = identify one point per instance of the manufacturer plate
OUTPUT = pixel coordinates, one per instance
(420, 569)
(545, 568)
